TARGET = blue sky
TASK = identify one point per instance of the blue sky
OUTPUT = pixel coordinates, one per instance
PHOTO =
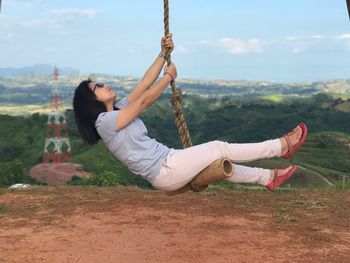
(272, 40)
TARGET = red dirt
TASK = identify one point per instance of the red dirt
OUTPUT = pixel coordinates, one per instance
(127, 224)
(57, 174)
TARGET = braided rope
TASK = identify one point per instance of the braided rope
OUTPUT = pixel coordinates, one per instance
(176, 99)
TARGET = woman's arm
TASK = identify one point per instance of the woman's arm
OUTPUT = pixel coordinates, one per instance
(152, 94)
(148, 79)
(128, 114)
(153, 71)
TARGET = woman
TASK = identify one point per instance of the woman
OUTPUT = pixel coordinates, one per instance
(125, 135)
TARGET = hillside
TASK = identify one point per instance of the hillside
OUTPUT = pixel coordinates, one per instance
(323, 159)
(44, 70)
(24, 88)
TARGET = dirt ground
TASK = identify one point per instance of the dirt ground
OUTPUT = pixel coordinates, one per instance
(127, 224)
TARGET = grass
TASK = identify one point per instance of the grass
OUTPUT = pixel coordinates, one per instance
(285, 213)
(339, 186)
(275, 98)
(3, 208)
(280, 218)
(3, 190)
(310, 204)
(27, 109)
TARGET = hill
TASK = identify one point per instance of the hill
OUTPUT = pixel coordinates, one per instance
(323, 159)
(39, 69)
(24, 88)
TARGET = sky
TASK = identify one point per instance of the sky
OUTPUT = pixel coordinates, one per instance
(270, 40)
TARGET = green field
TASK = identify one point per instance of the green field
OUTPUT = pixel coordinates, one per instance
(323, 159)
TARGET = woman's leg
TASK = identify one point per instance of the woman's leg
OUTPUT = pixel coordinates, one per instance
(244, 174)
(182, 166)
(246, 152)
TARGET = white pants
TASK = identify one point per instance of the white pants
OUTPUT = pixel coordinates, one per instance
(182, 165)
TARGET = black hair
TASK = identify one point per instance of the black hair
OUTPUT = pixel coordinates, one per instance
(86, 110)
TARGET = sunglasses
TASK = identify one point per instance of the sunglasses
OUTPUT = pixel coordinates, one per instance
(98, 85)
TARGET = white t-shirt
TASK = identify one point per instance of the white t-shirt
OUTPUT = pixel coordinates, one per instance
(131, 145)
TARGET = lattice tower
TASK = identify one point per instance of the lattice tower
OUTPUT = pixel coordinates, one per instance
(57, 146)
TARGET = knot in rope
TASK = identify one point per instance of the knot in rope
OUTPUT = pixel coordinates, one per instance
(177, 96)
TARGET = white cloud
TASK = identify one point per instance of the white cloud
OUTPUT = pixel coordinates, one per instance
(295, 44)
(25, 3)
(236, 46)
(343, 37)
(39, 23)
(9, 22)
(64, 17)
(297, 50)
(6, 21)
(181, 49)
(299, 46)
(318, 37)
(90, 13)
(50, 49)
(6, 36)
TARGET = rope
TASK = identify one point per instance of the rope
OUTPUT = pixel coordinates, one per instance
(176, 99)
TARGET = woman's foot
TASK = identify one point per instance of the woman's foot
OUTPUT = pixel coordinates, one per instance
(278, 172)
(293, 140)
(279, 176)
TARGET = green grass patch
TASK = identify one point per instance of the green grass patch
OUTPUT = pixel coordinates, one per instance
(3, 208)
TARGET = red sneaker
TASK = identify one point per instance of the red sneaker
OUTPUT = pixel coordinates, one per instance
(292, 148)
(278, 180)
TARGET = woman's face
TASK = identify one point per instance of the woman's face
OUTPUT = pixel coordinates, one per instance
(103, 92)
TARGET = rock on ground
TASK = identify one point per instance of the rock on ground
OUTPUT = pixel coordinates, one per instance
(57, 174)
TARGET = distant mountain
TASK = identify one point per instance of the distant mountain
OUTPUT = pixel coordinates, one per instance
(39, 69)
